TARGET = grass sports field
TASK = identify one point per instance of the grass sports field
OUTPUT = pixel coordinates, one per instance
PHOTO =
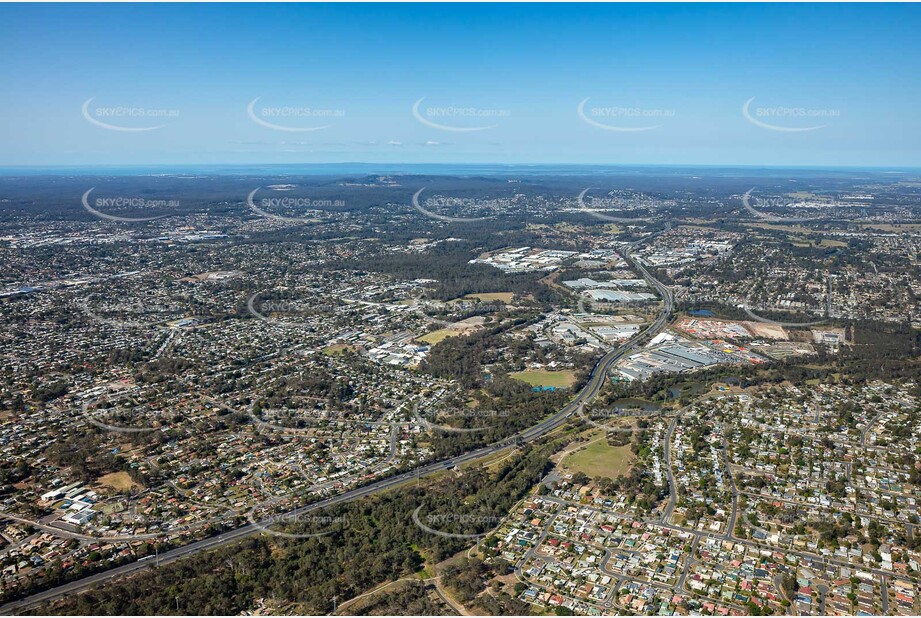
(599, 459)
(337, 348)
(439, 335)
(559, 379)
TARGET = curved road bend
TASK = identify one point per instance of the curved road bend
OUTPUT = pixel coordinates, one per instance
(588, 392)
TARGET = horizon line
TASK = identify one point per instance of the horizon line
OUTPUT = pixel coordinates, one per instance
(811, 166)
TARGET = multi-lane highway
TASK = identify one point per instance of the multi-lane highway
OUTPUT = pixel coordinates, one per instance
(588, 392)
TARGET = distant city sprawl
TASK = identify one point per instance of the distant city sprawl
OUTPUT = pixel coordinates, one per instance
(504, 393)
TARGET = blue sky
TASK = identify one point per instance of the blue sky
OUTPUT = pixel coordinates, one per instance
(666, 83)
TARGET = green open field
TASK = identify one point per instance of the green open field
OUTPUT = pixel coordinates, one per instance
(439, 335)
(337, 348)
(559, 379)
(824, 243)
(599, 459)
(120, 481)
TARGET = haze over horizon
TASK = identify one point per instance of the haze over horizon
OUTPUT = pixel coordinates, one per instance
(399, 168)
(189, 85)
